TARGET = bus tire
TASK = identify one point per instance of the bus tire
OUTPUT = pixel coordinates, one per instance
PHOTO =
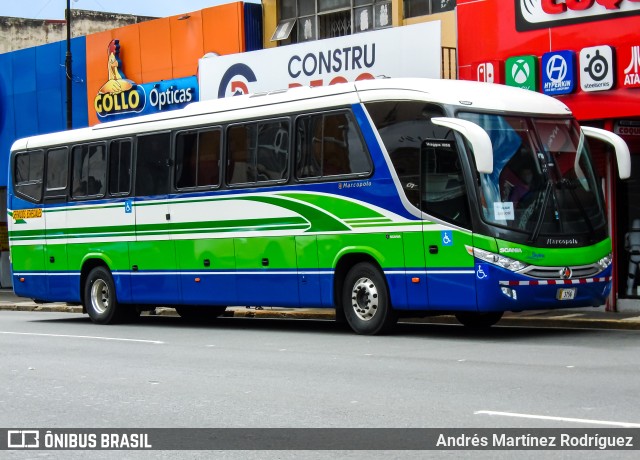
(365, 300)
(197, 313)
(476, 320)
(100, 300)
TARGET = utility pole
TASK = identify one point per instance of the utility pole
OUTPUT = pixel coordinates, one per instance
(67, 68)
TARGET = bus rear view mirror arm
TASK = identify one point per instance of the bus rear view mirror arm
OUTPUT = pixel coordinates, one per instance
(477, 137)
(621, 148)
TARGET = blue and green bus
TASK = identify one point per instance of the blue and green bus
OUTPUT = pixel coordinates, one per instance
(380, 199)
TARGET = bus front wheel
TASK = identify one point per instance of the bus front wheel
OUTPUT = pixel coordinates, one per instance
(478, 320)
(365, 300)
(100, 300)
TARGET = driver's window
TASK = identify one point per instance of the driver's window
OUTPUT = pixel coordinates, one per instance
(443, 189)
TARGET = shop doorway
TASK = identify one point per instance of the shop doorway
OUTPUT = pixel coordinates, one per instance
(628, 228)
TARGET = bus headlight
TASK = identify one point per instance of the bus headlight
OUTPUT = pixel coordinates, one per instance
(499, 260)
(605, 261)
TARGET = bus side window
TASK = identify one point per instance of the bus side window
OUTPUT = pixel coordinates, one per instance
(89, 171)
(28, 175)
(153, 156)
(198, 158)
(272, 156)
(330, 145)
(238, 161)
(57, 172)
(120, 167)
(308, 147)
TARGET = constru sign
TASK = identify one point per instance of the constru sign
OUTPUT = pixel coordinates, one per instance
(387, 52)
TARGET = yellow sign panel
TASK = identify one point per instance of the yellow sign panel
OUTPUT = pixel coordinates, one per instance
(27, 214)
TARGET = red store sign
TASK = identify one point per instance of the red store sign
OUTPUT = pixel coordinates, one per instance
(538, 14)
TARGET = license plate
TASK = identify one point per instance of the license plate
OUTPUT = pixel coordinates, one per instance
(566, 294)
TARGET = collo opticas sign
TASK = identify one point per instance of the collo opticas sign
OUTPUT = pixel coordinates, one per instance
(120, 97)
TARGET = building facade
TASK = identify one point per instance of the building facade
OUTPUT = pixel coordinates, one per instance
(157, 59)
(297, 21)
(587, 54)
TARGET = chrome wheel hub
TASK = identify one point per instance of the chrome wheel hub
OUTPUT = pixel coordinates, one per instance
(100, 296)
(364, 299)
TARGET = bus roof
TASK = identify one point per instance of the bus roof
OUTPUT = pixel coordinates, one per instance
(461, 93)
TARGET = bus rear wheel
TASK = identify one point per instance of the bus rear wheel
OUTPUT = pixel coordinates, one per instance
(100, 299)
(365, 300)
(478, 320)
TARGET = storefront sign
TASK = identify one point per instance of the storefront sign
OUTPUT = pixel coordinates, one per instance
(629, 66)
(627, 128)
(489, 71)
(118, 95)
(558, 72)
(521, 72)
(596, 68)
(539, 14)
(121, 98)
(388, 52)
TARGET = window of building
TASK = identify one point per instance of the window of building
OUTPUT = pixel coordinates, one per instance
(88, 171)
(120, 167)
(330, 145)
(302, 20)
(258, 152)
(28, 175)
(198, 158)
(413, 8)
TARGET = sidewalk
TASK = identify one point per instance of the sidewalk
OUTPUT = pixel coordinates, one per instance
(628, 318)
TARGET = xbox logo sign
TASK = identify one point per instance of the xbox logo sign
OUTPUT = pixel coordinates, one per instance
(521, 72)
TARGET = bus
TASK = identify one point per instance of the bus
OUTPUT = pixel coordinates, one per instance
(380, 199)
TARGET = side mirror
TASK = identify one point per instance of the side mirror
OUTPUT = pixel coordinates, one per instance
(477, 137)
(621, 148)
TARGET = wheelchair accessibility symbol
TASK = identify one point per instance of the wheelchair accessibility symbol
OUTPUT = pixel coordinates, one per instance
(480, 273)
(447, 238)
(128, 206)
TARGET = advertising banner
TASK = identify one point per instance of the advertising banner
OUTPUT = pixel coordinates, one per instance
(540, 14)
(558, 72)
(410, 51)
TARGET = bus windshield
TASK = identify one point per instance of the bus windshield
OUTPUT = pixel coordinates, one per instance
(542, 182)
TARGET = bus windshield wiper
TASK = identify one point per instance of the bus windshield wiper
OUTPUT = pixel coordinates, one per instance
(568, 184)
(542, 209)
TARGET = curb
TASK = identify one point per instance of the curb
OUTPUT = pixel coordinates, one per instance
(544, 319)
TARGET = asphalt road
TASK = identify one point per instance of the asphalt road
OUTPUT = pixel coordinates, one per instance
(60, 370)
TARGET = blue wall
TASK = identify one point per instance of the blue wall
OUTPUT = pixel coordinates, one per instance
(33, 93)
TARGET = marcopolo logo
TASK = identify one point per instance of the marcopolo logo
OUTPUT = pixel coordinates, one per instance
(118, 94)
(596, 68)
(558, 76)
(520, 71)
(235, 81)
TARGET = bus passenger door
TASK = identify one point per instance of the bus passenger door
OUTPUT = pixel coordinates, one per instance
(154, 271)
(450, 268)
